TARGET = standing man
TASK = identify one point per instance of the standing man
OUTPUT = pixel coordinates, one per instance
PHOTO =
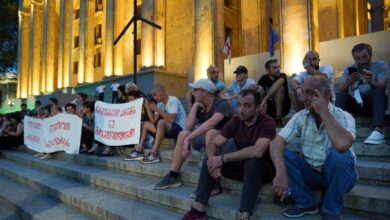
(100, 92)
(247, 136)
(274, 85)
(242, 82)
(170, 117)
(209, 112)
(324, 160)
(114, 88)
(311, 63)
(363, 90)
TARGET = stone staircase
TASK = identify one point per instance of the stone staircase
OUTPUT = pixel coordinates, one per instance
(90, 187)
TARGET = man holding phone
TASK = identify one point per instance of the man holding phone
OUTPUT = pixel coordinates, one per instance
(363, 90)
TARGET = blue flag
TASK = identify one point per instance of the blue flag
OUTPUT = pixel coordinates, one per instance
(273, 38)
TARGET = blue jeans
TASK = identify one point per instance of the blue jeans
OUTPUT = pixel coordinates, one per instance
(338, 176)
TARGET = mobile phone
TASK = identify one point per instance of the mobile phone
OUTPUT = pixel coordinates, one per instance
(352, 70)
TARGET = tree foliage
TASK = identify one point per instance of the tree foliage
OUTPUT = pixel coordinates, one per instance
(8, 34)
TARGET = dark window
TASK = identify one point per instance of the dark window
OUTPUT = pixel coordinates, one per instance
(98, 59)
(75, 67)
(98, 34)
(77, 14)
(99, 5)
(139, 10)
(76, 42)
(228, 32)
(138, 48)
(228, 3)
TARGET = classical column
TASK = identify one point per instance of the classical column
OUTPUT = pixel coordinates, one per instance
(61, 34)
(67, 52)
(296, 35)
(109, 38)
(82, 33)
(160, 14)
(204, 37)
(89, 42)
(125, 46)
(23, 50)
(36, 84)
(49, 45)
(148, 33)
(377, 12)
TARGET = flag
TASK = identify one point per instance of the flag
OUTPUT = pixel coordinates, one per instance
(227, 49)
(273, 38)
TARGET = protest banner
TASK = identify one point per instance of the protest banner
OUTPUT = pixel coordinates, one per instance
(33, 133)
(118, 124)
(61, 132)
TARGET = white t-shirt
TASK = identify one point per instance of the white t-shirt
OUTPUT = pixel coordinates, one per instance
(100, 89)
(327, 69)
(115, 86)
(174, 106)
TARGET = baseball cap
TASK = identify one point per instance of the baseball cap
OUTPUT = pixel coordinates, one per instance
(241, 69)
(205, 84)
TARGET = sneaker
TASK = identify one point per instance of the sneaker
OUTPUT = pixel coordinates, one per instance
(294, 212)
(194, 214)
(375, 138)
(151, 158)
(134, 155)
(168, 182)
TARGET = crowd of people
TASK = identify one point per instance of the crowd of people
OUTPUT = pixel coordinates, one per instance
(235, 128)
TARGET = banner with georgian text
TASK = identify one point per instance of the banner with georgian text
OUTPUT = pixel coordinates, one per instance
(118, 124)
(61, 132)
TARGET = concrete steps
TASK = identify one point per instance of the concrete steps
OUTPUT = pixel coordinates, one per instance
(98, 203)
(142, 188)
(21, 202)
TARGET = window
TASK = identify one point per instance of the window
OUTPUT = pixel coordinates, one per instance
(228, 32)
(76, 42)
(99, 5)
(77, 14)
(98, 34)
(138, 48)
(228, 3)
(98, 59)
(139, 10)
(75, 67)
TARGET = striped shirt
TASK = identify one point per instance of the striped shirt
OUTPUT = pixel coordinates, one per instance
(314, 144)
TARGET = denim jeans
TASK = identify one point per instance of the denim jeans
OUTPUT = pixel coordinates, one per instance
(374, 104)
(338, 176)
(253, 172)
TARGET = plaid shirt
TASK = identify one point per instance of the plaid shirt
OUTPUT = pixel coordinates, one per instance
(314, 144)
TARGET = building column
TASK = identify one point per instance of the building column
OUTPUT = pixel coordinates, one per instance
(82, 33)
(377, 12)
(109, 38)
(126, 45)
(160, 14)
(61, 5)
(49, 45)
(23, 50)
(89, 42)
(149, 41)
(36, 55)
(204, 37)
(296, 38)
(67, 51)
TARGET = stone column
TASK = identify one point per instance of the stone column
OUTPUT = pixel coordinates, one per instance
(219, 35)
(61, 43)
(82, 33)
(204, 37)
(36, 83)
(49, 44)
(160, 34)
(68, 20)
(377, 18)
(89, 42)
(109, 38)
(23, 50)
(295, 34)
(125, 46)
(148, 34)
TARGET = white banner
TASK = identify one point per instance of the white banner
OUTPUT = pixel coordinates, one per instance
(33, 133)
(118, 124)
(61, 132)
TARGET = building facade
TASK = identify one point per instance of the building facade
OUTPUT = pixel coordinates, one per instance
(65, 43)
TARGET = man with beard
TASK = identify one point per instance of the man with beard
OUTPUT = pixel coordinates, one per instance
(311, 63)
(240, 152)
(363, 90)
(324, 161)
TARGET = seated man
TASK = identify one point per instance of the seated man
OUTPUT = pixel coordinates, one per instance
(311, 63)
(248, 136)
(170, 121)
(363, 90)
(324, 160)
(242, 82)
(211, 113)
(274, 85)
(213, 75)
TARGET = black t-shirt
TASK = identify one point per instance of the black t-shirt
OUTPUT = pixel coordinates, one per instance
(219, 106)
(266, 82)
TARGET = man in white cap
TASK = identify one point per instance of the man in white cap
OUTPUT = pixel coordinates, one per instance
(211, 113)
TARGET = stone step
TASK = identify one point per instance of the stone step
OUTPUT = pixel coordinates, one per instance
(6, 214)
(57, 167)
(374, 172)
(223, 206)
(26, 203)
(95, 202)
(379, 152)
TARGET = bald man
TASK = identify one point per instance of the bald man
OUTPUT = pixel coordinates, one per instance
(311, 63)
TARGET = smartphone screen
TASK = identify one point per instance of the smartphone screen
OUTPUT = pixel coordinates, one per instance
(352, 70)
